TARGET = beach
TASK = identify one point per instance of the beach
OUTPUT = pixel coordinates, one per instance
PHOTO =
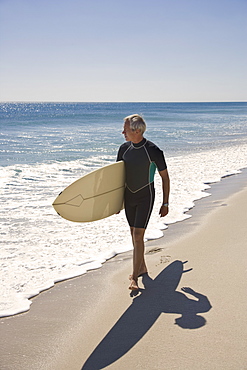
(47, 146)
(190, 312)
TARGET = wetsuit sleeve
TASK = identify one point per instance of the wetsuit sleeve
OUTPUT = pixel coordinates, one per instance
(160, 161)
(157, 156)
(120, 154)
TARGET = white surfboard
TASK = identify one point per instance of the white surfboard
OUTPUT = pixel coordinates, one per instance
(96, 195)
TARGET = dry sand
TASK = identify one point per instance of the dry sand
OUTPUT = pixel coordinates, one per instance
(187, 315)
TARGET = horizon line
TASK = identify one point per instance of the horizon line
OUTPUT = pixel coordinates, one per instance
(121, 102)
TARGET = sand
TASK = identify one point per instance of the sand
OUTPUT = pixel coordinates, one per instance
(190, 312)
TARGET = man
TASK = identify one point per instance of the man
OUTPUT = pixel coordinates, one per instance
(141, 158)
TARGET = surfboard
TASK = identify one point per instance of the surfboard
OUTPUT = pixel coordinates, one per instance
(96, 195)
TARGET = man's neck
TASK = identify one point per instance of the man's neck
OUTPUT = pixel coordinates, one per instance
(138, 140)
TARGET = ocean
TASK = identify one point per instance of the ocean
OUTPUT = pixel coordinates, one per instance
(44, 147)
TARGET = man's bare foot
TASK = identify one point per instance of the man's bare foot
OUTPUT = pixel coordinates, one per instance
(133, 285)
(139, 275)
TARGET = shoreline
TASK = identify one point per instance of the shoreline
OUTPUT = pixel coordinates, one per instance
(66, 323)
(94, 264)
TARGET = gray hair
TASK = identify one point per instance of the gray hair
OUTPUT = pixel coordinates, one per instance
(136, 122)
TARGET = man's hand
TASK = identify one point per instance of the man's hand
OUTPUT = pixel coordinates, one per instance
(163, 211)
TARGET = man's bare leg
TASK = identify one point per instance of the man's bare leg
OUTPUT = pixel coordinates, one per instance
(139, 265)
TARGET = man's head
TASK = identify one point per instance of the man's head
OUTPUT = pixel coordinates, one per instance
(134, 128)
(136, 123)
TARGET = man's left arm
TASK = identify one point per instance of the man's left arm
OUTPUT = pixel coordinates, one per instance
(164, 209)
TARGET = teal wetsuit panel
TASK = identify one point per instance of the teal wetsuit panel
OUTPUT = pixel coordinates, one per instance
(152, 170)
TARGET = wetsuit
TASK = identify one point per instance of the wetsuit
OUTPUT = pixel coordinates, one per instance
(141, 161)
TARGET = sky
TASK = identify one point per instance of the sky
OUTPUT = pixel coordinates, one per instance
(123, 50)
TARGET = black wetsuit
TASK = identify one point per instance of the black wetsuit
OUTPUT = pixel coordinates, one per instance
(141, 161)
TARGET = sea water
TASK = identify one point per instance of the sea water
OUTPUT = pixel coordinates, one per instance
(44, 147)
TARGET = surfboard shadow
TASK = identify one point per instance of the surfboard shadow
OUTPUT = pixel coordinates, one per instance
(159, 296)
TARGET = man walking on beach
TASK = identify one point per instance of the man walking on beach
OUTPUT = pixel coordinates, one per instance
(141, 158)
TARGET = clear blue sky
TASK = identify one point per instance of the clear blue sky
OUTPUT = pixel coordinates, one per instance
(123, 50)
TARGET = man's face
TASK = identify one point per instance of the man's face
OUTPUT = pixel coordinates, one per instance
(128, 133)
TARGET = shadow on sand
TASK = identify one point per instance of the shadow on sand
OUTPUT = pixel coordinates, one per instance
(159, 296)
